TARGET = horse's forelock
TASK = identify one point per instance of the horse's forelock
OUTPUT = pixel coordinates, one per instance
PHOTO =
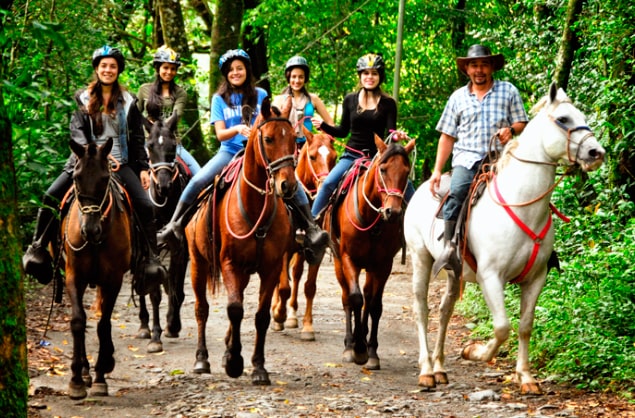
(393, 149)
(92, 149)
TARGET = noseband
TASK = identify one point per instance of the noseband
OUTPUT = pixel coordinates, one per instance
(569, 131)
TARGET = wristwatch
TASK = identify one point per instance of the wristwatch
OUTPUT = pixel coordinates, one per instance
(512, 130)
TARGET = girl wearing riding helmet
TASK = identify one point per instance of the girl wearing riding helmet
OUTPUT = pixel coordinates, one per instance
(162, 97)
(305, 104)
(366, 112)
(235, 106)
(105, 110)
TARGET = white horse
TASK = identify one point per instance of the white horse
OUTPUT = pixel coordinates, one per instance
(509, 232)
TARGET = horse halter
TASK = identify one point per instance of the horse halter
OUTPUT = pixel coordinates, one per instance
(569, 131)
(272, 166)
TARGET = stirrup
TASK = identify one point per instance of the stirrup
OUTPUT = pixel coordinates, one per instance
(448, 260)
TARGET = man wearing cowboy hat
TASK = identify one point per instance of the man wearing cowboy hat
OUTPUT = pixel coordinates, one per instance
(474, 114)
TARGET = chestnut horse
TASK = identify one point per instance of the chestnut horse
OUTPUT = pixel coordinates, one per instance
(168, 179)
(367, 230)
(246, 230)
(509, 233)
(96, 235)
(317, 158)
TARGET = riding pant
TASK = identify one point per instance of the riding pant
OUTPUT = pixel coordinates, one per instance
(459, 187)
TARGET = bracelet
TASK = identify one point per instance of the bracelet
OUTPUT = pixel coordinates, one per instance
(512, 130)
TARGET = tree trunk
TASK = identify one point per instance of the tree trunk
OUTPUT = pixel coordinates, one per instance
(256, 46)
(225, 35)
(174, 36)
(569, 44)
(14, 378)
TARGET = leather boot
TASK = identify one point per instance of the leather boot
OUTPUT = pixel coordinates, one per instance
(449, 258)
(315, 240)
(153, 273)
(172, 233)
(37, 260)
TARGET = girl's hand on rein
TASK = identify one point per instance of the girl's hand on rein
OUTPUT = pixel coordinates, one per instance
(396, 135)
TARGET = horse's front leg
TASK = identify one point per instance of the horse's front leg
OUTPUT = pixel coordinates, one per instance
(235, 284)
(373, 295)
(80, 378)
(530, 290)
(175, 291)
(448, 301)
(268, 281)
(355, 347)
(144, 319)
(310, 289)
(155, 345)
(105, 359)
(493, 290)
(199, 274)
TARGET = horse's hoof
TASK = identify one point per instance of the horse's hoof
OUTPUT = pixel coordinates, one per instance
(99, 389)
(234, 366)
(468, 352)
(427, 381)
(441, 378)
(530, 389)
(144, 333)
(291, 323)
(155, 347)
(88, 380)
(202, 366)
(277, 326)
(260, 378)
(170, 334)
(360, 358)
(77, 391)
(347, 356)
(307, 336)
(372, 364)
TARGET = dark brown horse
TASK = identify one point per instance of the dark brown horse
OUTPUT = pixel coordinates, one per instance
(168, 178)
(250, 233)
(317, 158)
(367, 229)
(97, 241)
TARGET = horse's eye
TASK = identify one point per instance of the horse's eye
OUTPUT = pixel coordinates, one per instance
(563, 119)
(268, 139)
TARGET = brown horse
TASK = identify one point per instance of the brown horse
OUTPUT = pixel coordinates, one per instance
(97, 241)
(168, 179)
(315, 161)
(367, 230)
(246, 230)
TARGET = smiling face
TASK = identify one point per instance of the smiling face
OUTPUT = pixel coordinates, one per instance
(480, 71)
(107, 70)
(167, 71)
(369, 79)
(297, 79)
(237, 74)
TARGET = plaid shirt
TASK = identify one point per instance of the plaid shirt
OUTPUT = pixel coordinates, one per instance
(472, 123)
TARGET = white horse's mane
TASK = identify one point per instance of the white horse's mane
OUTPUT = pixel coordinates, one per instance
(506, 155)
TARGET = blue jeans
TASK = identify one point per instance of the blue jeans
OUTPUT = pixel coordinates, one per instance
(187, 158)
(459, 187)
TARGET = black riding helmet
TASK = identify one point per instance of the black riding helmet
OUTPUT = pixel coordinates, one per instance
(297, 62)
(108, 51)
(372, 62)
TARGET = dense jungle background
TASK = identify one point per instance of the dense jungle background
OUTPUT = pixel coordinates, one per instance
(585, 322)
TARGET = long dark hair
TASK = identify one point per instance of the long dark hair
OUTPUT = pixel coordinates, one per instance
(248, 89)
(95, 105)
(155, 98)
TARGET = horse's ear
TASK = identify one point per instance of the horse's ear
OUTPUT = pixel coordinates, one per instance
(77, 149)
(410, 146)
(147, 124)
(106, 148)
(265, 107)
(381, 145)
(553, 91)
(172, 120)
(308, 134)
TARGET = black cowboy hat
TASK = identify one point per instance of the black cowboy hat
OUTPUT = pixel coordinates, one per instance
(477, 52)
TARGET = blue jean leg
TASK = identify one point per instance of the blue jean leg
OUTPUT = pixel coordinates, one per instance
(188, 159)
(459, 187)
(205, 176)
(330, 183)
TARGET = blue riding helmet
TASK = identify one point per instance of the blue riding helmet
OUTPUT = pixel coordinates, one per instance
(108, 51)
(229, 56)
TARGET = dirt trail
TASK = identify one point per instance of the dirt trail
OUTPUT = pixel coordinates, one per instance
(308, 378)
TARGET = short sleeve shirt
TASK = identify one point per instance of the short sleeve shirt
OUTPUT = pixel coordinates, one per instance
(473, 123)
(232, 115)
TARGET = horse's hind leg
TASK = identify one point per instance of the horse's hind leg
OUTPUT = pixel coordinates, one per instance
(297, 268)
(199, 272)
(310, 289)
(105, 359)
(155, 345)
(530, 291)
(282, 292)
